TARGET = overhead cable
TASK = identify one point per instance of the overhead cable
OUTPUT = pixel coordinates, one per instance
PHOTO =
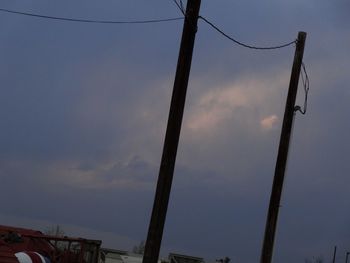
(180, 6)
(91, 21)
(306, 84)
(243, 44)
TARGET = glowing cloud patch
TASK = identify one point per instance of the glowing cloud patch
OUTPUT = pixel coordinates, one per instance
(269, 122)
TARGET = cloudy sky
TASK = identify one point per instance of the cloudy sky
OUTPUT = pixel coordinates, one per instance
(83, 111)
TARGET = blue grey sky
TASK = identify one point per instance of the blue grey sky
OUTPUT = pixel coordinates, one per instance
(83, 111)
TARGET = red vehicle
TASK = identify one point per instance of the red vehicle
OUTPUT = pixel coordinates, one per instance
(19, 245)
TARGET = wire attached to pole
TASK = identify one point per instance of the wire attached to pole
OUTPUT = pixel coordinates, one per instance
(243, 44)
(306, 84)
(91, 21)
(180, 6)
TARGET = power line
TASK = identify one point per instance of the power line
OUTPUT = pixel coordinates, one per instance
(243, 44)
(306, 84)
(91, 21)
(180, 6)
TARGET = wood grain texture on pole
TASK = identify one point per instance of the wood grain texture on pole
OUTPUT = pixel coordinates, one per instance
(275, 198)
(166, 171)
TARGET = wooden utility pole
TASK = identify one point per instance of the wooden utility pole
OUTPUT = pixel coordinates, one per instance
(334, 253)
(271, 222)
(166, 171)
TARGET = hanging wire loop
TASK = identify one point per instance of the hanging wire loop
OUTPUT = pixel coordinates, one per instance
(306, 84)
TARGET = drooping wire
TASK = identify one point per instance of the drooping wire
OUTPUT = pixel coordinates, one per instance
(91, 21)
(243, 44)
(306, 84)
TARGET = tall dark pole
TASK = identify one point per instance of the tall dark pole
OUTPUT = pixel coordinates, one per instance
(271, 223)
(347, 256)
(166, 171)
(334, 253)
